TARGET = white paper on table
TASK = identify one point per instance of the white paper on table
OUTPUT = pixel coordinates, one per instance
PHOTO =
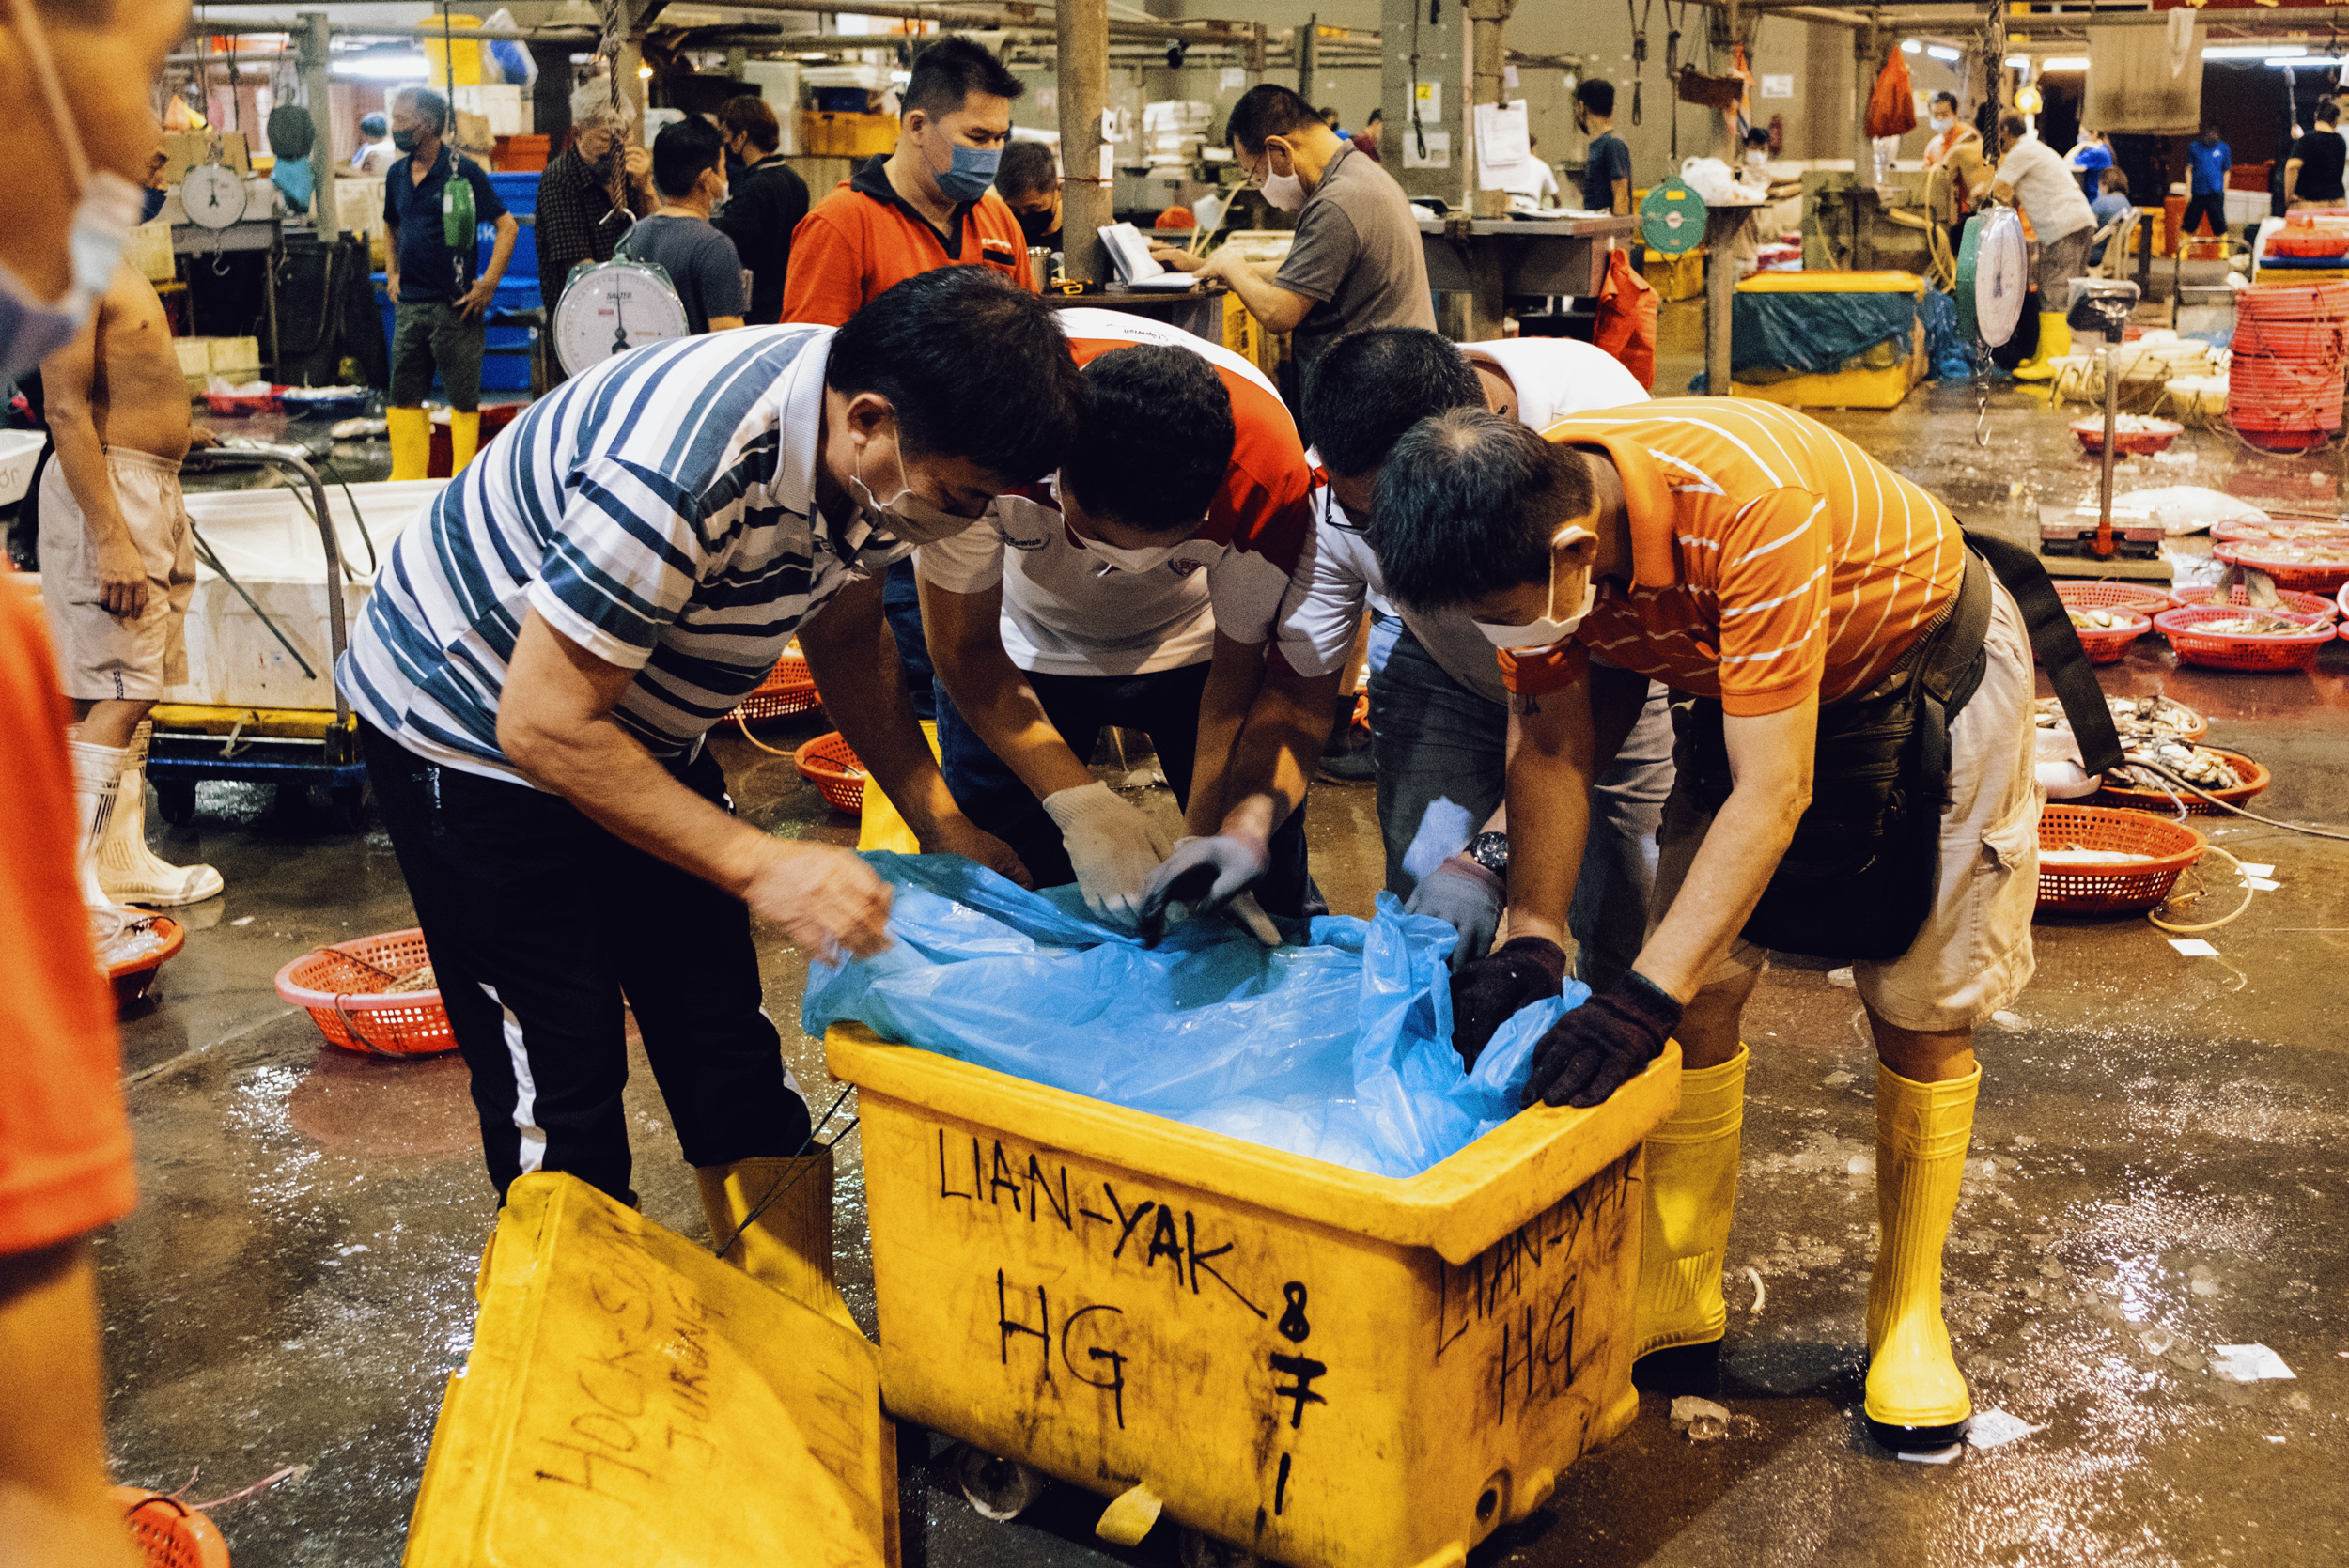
(1109, 163)
(2193, 947)
(2247, 1363)
(2266, 884)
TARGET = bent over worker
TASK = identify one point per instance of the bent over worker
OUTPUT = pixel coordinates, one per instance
(1139, 586)
(536, 674)
(1853, 779)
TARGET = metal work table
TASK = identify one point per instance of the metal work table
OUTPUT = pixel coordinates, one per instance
(1197, 310)
(1490, 258)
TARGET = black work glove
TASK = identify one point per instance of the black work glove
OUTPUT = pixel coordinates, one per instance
(1602, 1044)
(1488, 992)
(1205, 874)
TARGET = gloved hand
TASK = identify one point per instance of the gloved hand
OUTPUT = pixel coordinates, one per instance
(1113, 847)
(1487, 993)
(1202, 875)
(1465, 896)
(1602, 1044)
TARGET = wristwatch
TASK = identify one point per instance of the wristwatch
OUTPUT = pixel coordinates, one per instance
(1491, 851)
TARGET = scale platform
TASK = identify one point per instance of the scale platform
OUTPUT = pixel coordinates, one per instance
(2067, 546)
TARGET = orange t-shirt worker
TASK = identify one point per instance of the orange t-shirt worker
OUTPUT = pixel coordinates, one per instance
(929, 204)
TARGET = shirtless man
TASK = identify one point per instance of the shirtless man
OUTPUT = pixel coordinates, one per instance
(117, 569)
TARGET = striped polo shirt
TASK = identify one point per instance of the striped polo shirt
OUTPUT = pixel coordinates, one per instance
(659, 511)
(1770, 557)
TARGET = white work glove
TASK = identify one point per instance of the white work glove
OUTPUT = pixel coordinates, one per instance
(1205, 875)
(1113, 847)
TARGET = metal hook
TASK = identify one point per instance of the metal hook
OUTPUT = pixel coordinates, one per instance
(1982, 418)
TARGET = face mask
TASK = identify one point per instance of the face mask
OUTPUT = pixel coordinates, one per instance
(1941, 122)
(1038, 227)
(1550, 630)
(1285, 191)
(1135, 560)
(32, 329)
(1756, 160)
(152, 204)
(970, 173)
(906, 517)
(404, 140)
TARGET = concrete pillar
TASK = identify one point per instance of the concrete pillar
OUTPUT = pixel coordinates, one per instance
(1255, 54)
(1488, 56)
(1084, 73)
(318, 96)
(1308, 57)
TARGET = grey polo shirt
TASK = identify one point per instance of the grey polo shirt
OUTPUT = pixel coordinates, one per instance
(1357, 256)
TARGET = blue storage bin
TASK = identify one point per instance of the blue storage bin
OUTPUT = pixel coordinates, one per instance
(500, 372)
(518, 191)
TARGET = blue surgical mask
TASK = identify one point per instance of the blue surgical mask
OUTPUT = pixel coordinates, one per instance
(152, 204)
(971, 173)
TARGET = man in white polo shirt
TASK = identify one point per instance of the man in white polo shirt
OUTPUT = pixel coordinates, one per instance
(1138, 588)
(2033, 176)
(1438, 714)
(546, 648)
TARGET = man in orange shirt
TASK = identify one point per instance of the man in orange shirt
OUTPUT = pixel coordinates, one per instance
(1854, 780)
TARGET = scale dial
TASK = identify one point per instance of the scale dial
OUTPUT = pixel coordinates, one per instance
(213, 195)
(613, 308)
(1993, 276)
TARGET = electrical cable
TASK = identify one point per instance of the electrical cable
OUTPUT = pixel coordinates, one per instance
(1638, 18)
(805, 1143)
(2230, 806)
(2249, 893)
(743, 725)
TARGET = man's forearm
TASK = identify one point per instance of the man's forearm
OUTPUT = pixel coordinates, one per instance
(855, 657)
(1547, 807)
(1735, 863)
(1280, 309)
(509, 231)
(993, 695)
(1219, 777)
(81, 458)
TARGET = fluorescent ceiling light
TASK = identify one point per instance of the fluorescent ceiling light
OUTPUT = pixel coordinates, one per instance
(385, 67)
(1910, 46)
(2253, 50)
(2307, 59)
(2018, 62)
(2068, 62)
(1943, 51)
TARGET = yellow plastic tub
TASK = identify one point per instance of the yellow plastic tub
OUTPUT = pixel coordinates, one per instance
(1840, 389)
(1331, 1369)
(1675, 278)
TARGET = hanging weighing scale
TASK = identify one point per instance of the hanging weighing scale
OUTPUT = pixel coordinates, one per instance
(1671, 219)
(1993, 276)
(609, 307)
(213, 194)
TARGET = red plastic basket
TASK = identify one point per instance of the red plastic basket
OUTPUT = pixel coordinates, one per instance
(827, 762)
(787, 691)
(2287, 530)
(2214, 651)
(2344, 601)
(2111, 889)
(2156, 799)
(170, 1533)
(131, 980)
(2316, 577)
(2105, 645)
(343, 988)
(2126, 443)
(2107, 593)
(2293, 600)
(234, 405)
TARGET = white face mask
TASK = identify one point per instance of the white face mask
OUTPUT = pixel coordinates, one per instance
(31, 329)
(1285, 191)
(1941, 122)
(1144, 560)
(907, 517)
(1550, 630)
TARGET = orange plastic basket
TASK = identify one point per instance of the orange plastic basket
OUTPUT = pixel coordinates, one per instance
(2154, 800)
(827, 762)
(344, 990)
(2111, 889)
(2105, 645)
(2299, 603)
(131, 980)
(2286, 530)
(787, 691)
(2233, 651)
(2139, 599)
(170, 1533)
(2315, 577)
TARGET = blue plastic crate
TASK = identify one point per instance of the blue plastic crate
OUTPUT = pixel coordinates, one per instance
(518, 191)
(500, 372)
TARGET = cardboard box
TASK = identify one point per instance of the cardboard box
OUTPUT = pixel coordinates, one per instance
(506, 108)
(184, 149)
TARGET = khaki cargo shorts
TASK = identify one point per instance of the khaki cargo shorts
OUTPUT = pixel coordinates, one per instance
(1974, 954)
(99, 654)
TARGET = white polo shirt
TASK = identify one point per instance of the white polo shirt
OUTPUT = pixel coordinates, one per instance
(2046, 190)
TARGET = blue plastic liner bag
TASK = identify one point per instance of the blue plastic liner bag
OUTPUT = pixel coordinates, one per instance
(1337, 1045)
(1948, 356)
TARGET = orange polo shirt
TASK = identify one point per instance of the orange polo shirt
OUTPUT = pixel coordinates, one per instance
(1771, 558)
(65, 1141)
(864, 239)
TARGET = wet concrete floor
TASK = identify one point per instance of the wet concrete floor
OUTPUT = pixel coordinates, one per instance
(2159, 1163)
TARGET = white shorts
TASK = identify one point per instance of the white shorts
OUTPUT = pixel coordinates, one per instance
(99, 654)
(1973, 956)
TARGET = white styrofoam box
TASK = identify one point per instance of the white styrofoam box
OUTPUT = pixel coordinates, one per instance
(2248, 206)
(1176, 114)
(266, 539)
(358, 203)
(778, 83)
(1262, 245)
(871, 78)
(19, 451)
(502, 104)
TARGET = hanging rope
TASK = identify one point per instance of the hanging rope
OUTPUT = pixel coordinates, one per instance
(1639, 14)
(1672, 27)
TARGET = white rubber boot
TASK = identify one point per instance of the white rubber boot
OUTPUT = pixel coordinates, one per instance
(96, 778)
(128, 870)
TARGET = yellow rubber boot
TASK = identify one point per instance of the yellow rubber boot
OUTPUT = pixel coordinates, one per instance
(1917, 1397)
(1677, 1314)
(779, 1214)
(410, 433)
(464, 439)
(2055, 341)
(880, 826)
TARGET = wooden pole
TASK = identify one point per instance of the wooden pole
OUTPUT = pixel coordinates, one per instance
(1086, 174)
(317, 89)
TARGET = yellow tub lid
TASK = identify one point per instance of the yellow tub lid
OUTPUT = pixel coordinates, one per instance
(1832, 283)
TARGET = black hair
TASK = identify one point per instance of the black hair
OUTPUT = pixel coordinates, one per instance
(1157, 439)
(1371, 386)
(748, 115)
(975, 366)
(1268, 109)
(1597, 95)
(1378, 116)
(2013, 124)
(1026, 170)
(1945, 96)
(1466, 505)
(2210, 130)
(429, 104)
(375, 123)
(947, 72)
(680, 154)
(2327, 112)
(1329, 115)
(2113, 179)
(1757, 135)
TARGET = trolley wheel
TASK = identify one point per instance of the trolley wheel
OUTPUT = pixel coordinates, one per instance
(1197, 1550)
(175, 799)
(351, 807)
(998, 1489)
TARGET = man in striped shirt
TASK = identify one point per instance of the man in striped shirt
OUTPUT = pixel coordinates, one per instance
(1808, 600)
(547, 646)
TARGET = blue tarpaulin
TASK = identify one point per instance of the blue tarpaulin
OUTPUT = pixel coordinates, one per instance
(1337, 1045)
(1775, 336)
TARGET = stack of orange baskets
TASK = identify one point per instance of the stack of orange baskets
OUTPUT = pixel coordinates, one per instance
(787, 691)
